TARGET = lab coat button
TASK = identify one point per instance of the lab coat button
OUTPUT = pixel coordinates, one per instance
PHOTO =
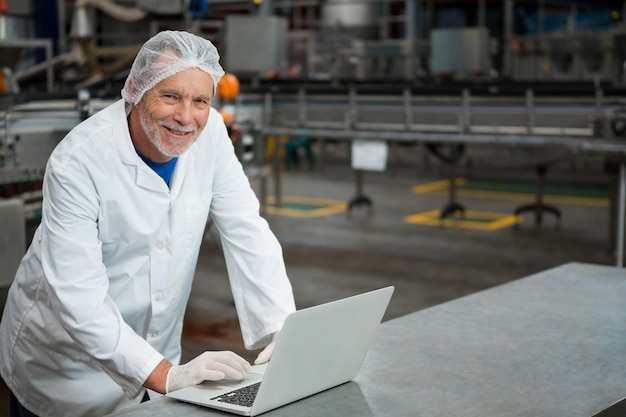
(158, 296)
(159, 244)
(155, 334)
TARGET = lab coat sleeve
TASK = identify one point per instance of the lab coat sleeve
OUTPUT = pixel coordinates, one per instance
(261, 289)
(75, 278)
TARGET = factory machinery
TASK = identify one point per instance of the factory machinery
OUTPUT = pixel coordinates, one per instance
(437, 73)
(88, 43)
(536, 68)
(441, 69)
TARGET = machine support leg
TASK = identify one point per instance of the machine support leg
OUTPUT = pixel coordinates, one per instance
(360, 199)
(620, 214)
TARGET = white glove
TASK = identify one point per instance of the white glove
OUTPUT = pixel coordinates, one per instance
(209, 366)
(266, 354)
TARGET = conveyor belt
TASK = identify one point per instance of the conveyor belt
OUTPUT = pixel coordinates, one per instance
(432, 87)
(560, 109)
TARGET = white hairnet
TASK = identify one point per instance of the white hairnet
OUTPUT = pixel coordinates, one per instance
(165, 54)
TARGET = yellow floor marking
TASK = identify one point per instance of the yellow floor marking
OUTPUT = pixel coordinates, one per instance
(489, 221)
(441, 188)
(325, 208)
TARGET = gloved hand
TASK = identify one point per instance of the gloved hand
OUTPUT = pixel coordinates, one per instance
(209, 366)
(266, 354)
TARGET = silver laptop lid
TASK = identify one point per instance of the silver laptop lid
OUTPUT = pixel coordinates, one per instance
(321, 347)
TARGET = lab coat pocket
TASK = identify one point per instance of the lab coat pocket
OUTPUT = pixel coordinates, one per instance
(196, 214)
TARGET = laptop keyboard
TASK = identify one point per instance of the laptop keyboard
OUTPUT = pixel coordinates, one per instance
(243, 396)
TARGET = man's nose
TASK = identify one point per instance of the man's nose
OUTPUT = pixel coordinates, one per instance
(183, 113)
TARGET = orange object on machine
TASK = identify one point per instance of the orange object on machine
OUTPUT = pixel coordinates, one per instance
(3, 84)
(3, 6)
(228, 87)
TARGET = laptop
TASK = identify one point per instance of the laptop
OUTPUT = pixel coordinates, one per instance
(318, 348)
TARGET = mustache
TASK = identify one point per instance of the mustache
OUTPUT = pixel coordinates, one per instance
(178, 127)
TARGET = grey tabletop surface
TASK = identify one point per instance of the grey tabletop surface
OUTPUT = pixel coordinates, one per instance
(551, 344)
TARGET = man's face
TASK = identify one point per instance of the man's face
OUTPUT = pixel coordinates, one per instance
(173, 113)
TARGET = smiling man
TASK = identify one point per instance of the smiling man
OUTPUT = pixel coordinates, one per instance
(94, 317)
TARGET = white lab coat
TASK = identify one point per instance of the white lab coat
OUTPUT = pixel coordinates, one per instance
(99, 298)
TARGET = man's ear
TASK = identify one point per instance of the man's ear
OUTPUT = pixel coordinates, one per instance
(131, 91)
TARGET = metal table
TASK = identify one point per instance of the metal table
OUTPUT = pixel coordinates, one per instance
(551, 344)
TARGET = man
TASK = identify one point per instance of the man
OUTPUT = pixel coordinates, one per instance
(95, 314)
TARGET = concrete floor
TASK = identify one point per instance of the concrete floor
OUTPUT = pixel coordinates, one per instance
(341, 254)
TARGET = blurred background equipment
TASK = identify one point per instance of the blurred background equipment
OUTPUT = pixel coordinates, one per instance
(255, 44)
(93, 41)
(532, 73)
